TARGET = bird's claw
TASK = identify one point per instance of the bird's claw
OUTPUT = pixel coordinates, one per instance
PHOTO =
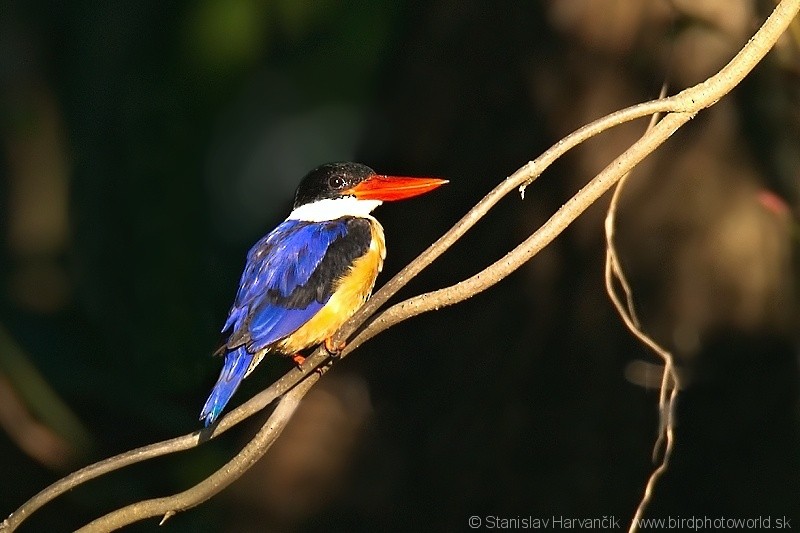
(334, 349)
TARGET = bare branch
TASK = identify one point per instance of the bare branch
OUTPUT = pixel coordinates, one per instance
(213, 484)
(533, 244)
(177, 444)
(627, 311)
(670, 441)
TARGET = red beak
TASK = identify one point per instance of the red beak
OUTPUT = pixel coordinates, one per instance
(390, 188)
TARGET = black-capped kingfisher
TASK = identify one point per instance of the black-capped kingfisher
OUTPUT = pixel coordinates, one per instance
(311, 273)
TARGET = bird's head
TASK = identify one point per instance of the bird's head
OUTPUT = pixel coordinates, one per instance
(335, 190)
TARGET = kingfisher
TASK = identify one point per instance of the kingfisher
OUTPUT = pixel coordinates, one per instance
(305, 278)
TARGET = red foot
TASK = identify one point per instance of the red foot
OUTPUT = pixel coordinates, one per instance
(298, 359)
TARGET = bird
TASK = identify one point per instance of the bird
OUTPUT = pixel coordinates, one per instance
(305, 278)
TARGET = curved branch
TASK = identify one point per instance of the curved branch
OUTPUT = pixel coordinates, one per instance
(533, 244)
(213, 484)
(681, 107)
(689, 100)
(177, 444)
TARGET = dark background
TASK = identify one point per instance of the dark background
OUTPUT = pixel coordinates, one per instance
(147, 145)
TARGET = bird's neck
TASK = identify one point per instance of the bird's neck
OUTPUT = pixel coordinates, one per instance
(333, 208)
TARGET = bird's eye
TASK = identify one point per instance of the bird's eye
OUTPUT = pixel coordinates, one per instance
(336, 182)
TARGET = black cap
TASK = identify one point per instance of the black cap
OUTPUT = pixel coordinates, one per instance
(329, 180)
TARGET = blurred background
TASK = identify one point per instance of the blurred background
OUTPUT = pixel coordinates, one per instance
(146, 145)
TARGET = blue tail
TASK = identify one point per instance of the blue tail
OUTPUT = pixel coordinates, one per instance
(236, 364)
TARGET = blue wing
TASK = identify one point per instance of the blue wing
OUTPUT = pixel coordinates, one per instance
(288, 278)
(274, 297)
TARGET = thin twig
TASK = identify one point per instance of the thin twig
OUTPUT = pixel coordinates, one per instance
(615, 272)
(659, 471)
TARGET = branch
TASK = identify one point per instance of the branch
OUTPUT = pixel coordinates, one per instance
(213, 484)
(627, 311)
(680, 108)
(177, 444)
